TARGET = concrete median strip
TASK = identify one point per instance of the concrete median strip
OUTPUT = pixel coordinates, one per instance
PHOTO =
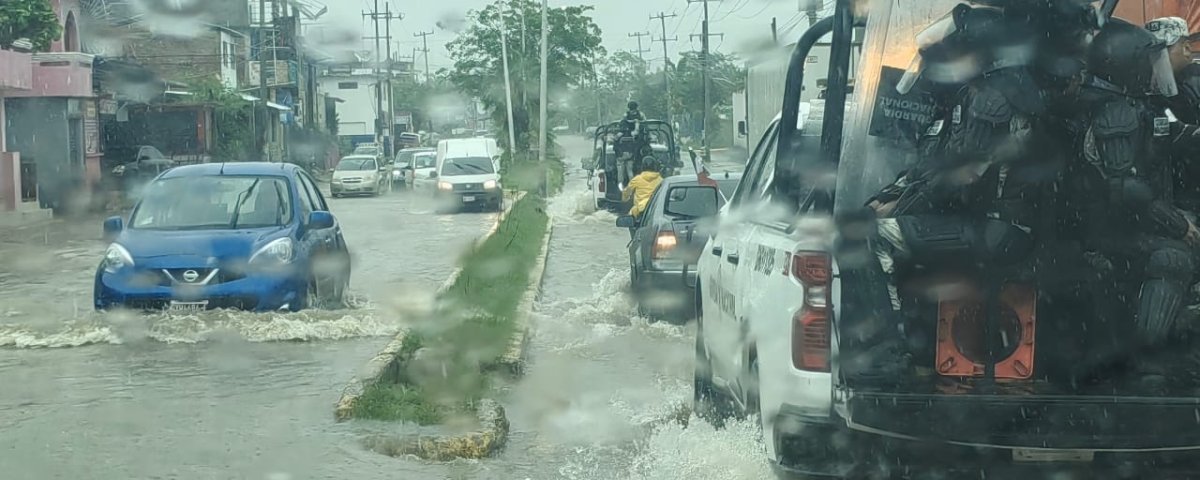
(513, 359)
(491, 436)
(387, 369)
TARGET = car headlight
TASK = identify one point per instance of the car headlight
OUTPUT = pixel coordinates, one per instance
(278, 251)
(445, 186)
(490, 185)
(116, 258)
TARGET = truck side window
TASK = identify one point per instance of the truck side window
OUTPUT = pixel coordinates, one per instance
(760, 169)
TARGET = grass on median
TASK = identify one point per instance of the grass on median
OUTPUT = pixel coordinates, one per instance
(472, 328)
(525, 173)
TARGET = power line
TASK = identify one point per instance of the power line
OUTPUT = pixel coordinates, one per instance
(639, 36)
(737, 7)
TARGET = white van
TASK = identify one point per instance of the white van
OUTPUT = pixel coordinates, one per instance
(468, 172)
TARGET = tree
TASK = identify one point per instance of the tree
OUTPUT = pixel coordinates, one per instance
(232, 137)
(573, 41)
(30, 19)
(725, 77)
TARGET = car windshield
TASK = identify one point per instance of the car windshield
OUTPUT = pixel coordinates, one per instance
(213, 202)
(425, 160)
(356, 164)
(467, 166)
(691, 201)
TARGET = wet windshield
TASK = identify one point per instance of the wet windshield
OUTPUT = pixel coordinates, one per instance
(213, 202)
(950, 239)
(467, 166)
(353, 164)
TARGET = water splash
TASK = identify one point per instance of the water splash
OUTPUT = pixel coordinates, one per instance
(116, 328)
(702, 452)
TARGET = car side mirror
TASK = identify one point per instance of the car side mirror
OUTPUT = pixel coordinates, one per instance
(320, 220)
(432, 174)
(113, 227)
(626, 221)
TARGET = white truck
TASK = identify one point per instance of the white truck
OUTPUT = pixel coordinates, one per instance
(781, 324)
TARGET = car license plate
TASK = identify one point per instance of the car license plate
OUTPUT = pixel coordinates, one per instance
(468, 198)
(1029, 455)
(187, 307)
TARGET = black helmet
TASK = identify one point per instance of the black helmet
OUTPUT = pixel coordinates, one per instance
(968, 42)
(633, 105)
(1132, 59)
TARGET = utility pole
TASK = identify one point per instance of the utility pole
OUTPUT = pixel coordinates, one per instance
(512, 137)
(639, 36)
(662, 20)
(262, 78)
(774, 32)
(425, 50)
(542, 147)
(374, 14)
(382, 85)
(705, 65)
(391, 111)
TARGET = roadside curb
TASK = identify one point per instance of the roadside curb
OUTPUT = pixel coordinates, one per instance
(385, 363)
(474, 445)
(514, 359)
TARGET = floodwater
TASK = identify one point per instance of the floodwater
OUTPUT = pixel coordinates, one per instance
(238, 395)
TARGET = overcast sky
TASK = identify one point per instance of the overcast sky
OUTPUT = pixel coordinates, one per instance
(743, 22)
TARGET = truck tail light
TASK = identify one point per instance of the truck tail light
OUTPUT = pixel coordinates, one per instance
(810, 325)
(602, 183)
(664, 244)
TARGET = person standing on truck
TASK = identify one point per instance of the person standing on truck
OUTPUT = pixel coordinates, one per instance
(1122, 187)
(1185, 106)
(1173, 32)
(642, 187)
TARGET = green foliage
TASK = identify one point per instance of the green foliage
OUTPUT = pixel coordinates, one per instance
(32, 19)
(416, 97)
(475, 322)
(232, 137)
(478, 63)
(396, 403)
(624, 77)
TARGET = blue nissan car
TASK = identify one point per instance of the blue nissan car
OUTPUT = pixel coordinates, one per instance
(251, 236)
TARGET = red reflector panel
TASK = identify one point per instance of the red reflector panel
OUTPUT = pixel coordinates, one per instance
(810, 340)
(811, 268)
(961, 346)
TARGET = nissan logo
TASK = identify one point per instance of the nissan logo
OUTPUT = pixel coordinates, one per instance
(191, 276)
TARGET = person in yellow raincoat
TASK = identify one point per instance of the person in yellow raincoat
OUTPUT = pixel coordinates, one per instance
(642, 187)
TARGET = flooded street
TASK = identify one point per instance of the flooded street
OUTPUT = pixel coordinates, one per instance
(242, 395)
(214, 395)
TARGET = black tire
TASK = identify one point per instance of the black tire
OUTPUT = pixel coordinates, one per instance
(708, 402)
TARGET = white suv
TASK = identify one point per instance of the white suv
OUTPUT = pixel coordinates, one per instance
(764, 292)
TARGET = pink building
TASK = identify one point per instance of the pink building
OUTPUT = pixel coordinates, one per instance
(16, 75)
(52, 122)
